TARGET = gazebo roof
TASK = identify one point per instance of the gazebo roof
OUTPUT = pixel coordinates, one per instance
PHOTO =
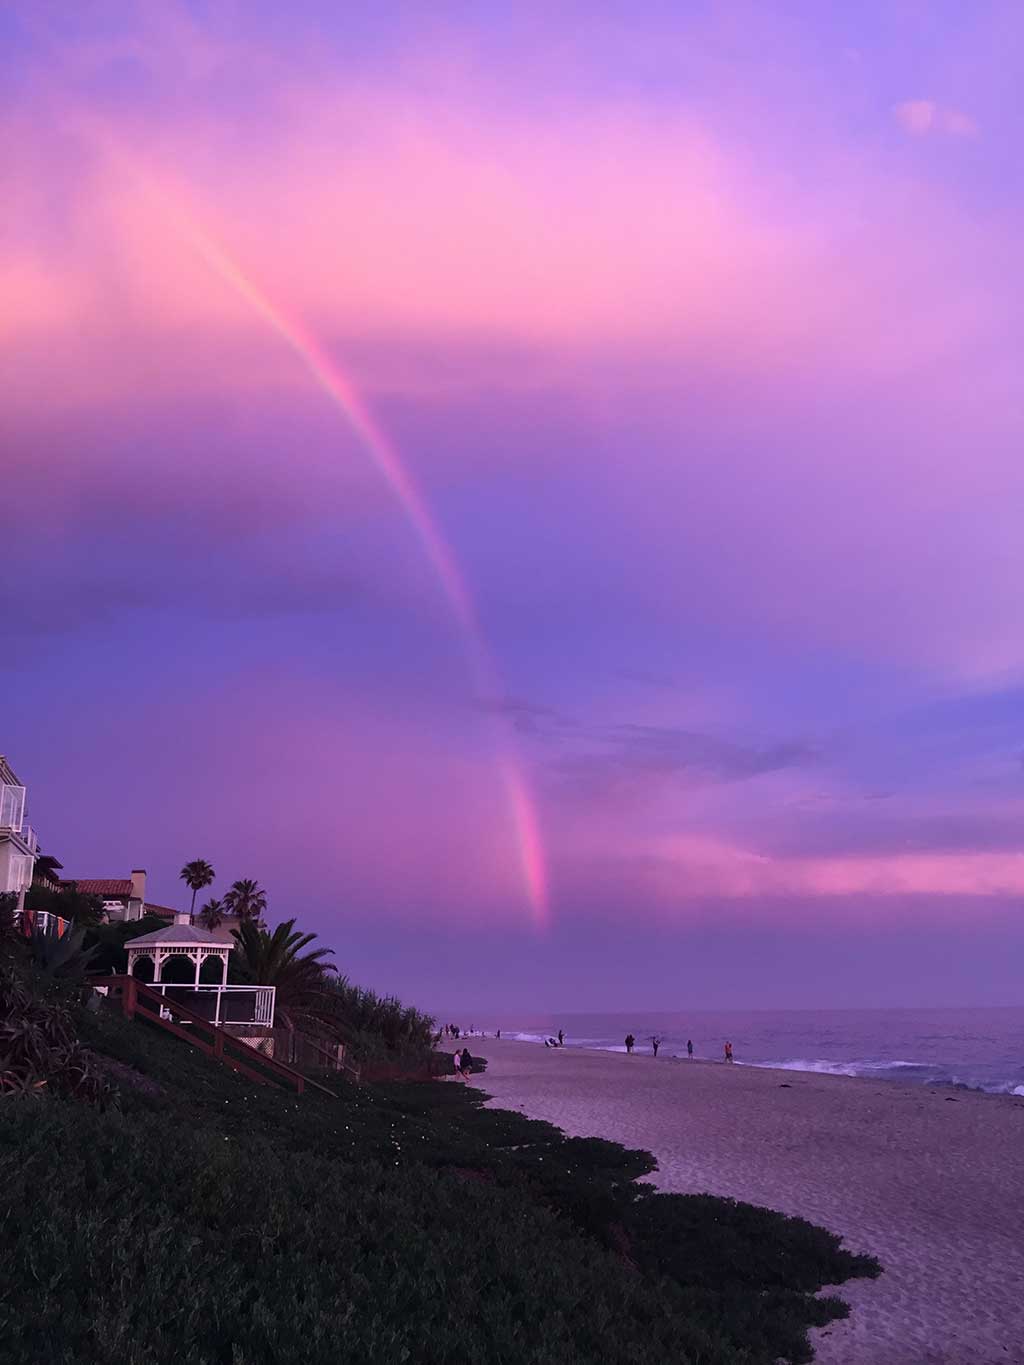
(178, 936)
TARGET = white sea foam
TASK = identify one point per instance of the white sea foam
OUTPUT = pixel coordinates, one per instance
(827, 1068)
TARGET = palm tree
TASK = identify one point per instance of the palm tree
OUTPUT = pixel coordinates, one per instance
(196, 874)
(302, 999)
(247, 900)
(211, 916)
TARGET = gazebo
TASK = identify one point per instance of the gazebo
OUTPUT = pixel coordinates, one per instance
(178, 940)
(182, 941)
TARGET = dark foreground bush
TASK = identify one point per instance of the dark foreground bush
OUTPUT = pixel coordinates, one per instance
(210, 1222)
(39, 1049)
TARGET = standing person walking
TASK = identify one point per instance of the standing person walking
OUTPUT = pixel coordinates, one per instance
(561, 1038)
(728, 1052)
(689, 1048)
(630, 1040)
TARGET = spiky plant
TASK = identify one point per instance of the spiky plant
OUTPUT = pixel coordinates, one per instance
(363, 1015)
(63, 956)
(39, 1052)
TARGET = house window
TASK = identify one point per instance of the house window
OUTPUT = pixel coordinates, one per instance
(19, 873)
(12, 806)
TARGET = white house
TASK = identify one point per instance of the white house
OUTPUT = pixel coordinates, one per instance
(18, 842)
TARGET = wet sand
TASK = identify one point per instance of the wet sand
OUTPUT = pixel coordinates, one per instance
(928, 1179)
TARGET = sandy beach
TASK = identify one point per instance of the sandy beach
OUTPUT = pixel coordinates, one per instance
(930, 1180)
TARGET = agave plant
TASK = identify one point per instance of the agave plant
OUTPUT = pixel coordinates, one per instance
(62, 956)
(38, 1048)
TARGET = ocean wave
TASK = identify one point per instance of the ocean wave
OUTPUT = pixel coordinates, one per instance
(828, 1068)
(927, 1073)
(961, 1077)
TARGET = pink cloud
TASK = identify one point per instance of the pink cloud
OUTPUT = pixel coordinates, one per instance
(831, 346)
(921, 117)
(414, 215)
(688, 868)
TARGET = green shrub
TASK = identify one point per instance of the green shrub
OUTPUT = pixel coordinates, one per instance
(213, 1222)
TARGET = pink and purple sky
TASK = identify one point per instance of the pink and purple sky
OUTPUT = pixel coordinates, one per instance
(537, 487)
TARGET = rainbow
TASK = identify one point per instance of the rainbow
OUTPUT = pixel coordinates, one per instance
(344, 396)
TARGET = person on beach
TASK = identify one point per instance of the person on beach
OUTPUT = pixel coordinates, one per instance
(498, 1034)
(728, 1052)
(457, 1063)
(655, 1044)
(467, 1064)
(561, 1038)
(630, 1040)
(689, 1048)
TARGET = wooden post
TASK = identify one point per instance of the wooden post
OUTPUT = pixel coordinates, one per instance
(129, 997)
(218, 1042)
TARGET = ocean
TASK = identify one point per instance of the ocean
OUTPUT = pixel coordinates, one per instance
(980, 1049)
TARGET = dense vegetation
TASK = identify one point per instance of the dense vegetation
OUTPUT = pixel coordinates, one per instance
(184, 1215)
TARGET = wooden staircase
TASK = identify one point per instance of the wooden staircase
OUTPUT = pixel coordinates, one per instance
(139, 1001)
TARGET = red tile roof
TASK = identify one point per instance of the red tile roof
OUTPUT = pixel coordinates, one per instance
(164, 910)
(101, 886)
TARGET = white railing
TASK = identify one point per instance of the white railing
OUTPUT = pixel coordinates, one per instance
(12, 807)
(223, 1004)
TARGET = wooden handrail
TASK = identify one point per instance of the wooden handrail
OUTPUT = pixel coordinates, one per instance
(337, 1064)
(132, 990)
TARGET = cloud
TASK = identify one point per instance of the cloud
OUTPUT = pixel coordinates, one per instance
(696, 866)
(529, 718)
(638, 762)
(922, 117)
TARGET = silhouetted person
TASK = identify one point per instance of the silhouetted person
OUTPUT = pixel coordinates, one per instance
(655, 1043)
(630, 1040)
(561, 1038)
(689, 1048)
(728, 1052)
